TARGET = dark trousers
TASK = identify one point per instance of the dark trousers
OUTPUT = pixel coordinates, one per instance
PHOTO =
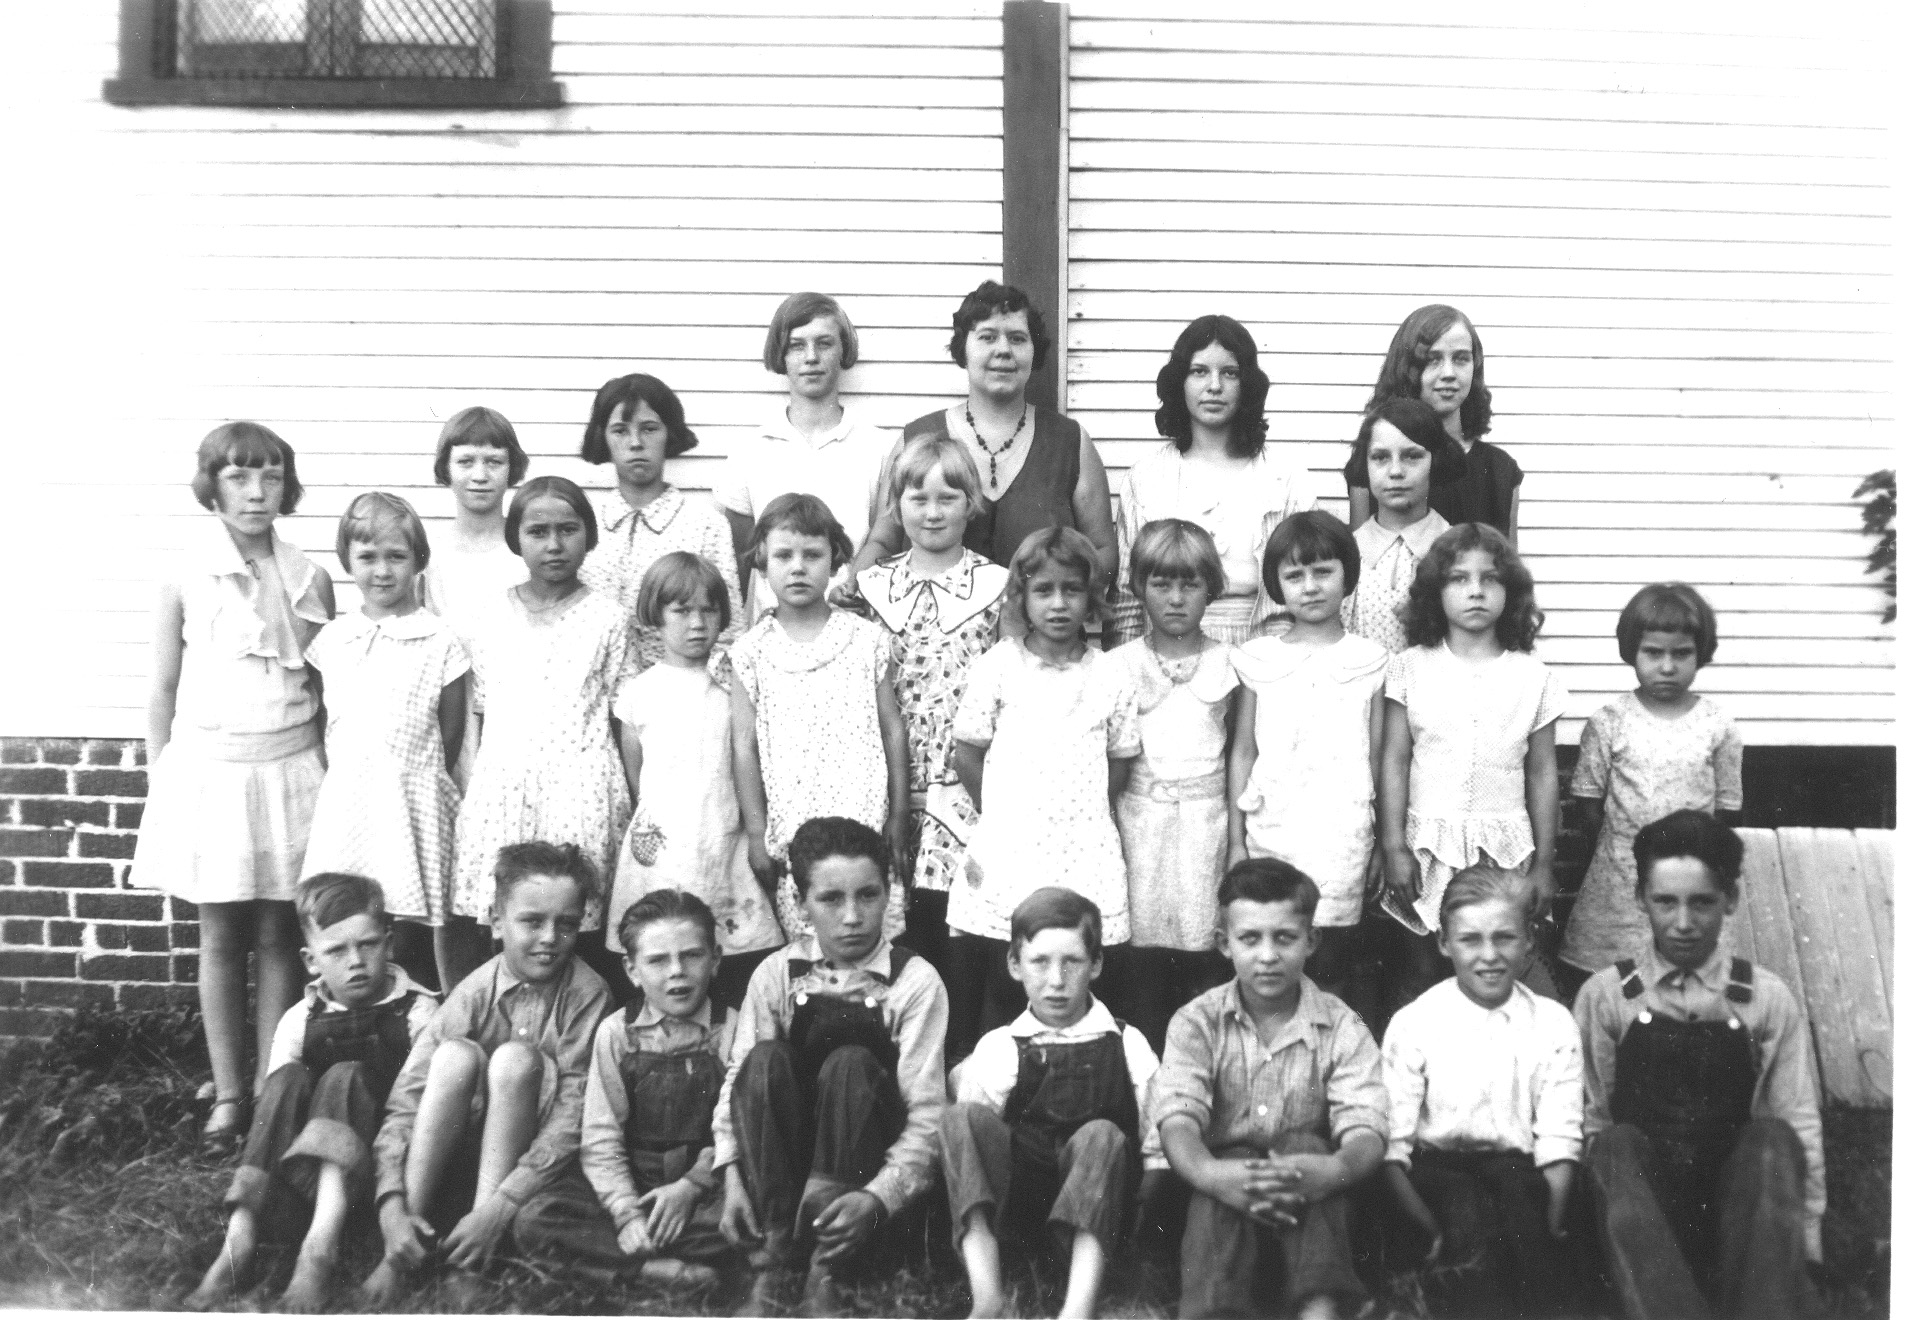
(1224, 1251)
(1082, 1185)
(801, 1146)
(983, 993)
(567, 1219)
(1498, 1258)
(1756, 1209)
(301, 1121)
(1145, 986)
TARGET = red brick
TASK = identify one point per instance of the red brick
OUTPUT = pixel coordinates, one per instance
(42, 779)
(65, 934)
(109, 934)
(19, 751)
(127, 815)
(109, 783)
(11, 994)
(185, 934)
(186, 968)
(18, 932)
(134, 997)
(68, 994)
(20, 962)
(32, 903)
(125, 967)
(32, 1021)
(95, 844)
(68, 875)
(148, 939)
(63, 811)
(60, 751)
(35, 843)
(8, 871)
(105, 753)
(120, 907)
(183, 910)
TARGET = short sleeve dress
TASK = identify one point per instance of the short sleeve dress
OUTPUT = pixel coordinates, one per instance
(1311, 795)
(632, 540)
(548, 766)
(388, 808)
(1389, 559)
(1643, 767)
(461, 587)
(1046, 812)
(1468, 790)
(1486, 491)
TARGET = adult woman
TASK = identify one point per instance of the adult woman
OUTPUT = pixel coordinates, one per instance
(1039, 468)
(1215, 470)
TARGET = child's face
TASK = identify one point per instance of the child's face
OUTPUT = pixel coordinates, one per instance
(1487, 944)
(551, 539)
(636, 437)
(1449, 373)
(1056, 599)
(538, 926)
(1175, 604)
(689, 628)
(1686, 909)
(1213, 389)
(384, 569)
(934, 514)
(1267, 943)
(814, 358)
(1666, 664)
(846, 906)
(1473, 596)
(1312, 591)
(797, 566)
(999, 354)
(247, 499)
(1398, 472)
(673, 965)
(480, 476)
(1056, 970)
(350, 959)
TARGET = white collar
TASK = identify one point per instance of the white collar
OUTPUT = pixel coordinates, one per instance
(402, 985)
(1098, 1021)
(1376, 540)
(778, 427)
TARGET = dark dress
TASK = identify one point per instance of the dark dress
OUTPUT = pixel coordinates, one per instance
(1485, 493)
(1041, 495)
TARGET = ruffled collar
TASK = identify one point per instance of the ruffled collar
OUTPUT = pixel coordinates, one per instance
(1210, 681)
(355, 629)
(1375, 540)
(1263, 660)
(958, 594)
(656, 516)
(276, 635)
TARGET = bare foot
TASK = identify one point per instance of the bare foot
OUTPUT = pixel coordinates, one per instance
(234, 1260)
(311, 1280)
(821, 1295)
(1320, 1307)
(674, 1273)
(382, 1287)
(988, 1306)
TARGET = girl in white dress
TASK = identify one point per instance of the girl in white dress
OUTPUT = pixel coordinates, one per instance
(395, 703)
(234, 744)
(1172, 815)
(1468, 759)
(674, 730)
(1309, 741)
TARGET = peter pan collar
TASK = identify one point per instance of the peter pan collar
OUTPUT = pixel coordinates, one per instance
(1264, 660)
(1376, 540)
(1212, 681)
(656, 516)
(355, 627)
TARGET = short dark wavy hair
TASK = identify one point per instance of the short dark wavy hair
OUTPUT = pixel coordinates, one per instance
(243, 444)
(1249, 428)
(563, 488)
(1307, 538)
(1422, 614)
(1267, 880)
(629, 392)
(1418, 422)
(1691, 833)
(1672, 607)
(807, 515)
(1401, 375)
(519, 862)
(834, 836)
(485, 428)
(993, 299)
(665, 905)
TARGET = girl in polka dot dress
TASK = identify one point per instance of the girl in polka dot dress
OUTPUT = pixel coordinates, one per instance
(1401, 452)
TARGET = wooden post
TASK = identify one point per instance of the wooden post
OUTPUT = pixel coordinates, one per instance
(1035, 39)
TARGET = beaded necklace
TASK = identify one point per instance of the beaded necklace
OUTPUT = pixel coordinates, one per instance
(994, 454)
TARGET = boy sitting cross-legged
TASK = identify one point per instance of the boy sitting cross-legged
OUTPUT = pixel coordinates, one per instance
(827, 1125)
(1270, 1105)
(333, 1059)
(487, 1109)
(1045, 1127)
(648, 1192)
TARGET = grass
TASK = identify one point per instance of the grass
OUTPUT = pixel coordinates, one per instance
(105, 1203)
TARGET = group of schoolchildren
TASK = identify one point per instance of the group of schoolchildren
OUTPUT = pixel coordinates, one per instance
(562, 725)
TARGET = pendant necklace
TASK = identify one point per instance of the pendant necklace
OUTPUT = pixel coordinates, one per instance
(994, 454)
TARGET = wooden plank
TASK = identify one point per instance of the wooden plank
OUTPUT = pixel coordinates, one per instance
(1847, 997)
(1770, 928)
(1034, 49)
(1876, 848)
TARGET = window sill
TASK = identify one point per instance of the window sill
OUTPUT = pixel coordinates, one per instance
(337, 93)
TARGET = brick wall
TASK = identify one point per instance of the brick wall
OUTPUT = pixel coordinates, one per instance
(72, 933)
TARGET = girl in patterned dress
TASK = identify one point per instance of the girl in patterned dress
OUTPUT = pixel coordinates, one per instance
(814, 719)
(233, 736)
(1401, 451)
(395, 718)
(1644, 755)
(1468, 743)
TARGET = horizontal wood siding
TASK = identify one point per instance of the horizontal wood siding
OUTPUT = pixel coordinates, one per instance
(1673, 234)
(351, 278)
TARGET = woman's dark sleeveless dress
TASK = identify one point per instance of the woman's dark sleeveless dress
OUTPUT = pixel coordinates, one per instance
(1040, 496)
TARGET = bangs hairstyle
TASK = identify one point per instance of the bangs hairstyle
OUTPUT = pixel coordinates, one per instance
(519, 862)
(331, 897)
(1175, 548)
(1418, 422)
(1308, 538)
(1672, 607)
(1422, 615)
(802, 309)
(835, 836)
(628, 392)
(680, 578)
(482, 428)
(1062, 545)
(1248, 428)
(565, 489)
(248, 445)
(1401, 375)
(1267, 880)
(949, 458)
(1485, 882)
(993, 299)
(807, 515)
(1690, 833)
(375, 513)
(1056, 908)
(665, 905)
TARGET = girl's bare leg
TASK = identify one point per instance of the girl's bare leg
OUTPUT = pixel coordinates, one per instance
(280, 974)
(438, 1130)
(320, 1251)
(1086, 1278)
(225, 938)
(984, 1265)
(234, 1259)
(511, 1115)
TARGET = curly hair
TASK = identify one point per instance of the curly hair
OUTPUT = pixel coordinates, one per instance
(1422, 615)
(1248, 428)
(993, 299)
(1401, 375)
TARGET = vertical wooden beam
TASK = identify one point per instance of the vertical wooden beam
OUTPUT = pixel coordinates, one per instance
(1035, 41)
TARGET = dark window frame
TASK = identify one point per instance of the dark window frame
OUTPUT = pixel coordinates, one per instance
(148, 71)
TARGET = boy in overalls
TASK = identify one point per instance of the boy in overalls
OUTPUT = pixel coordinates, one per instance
(827, 1124)
(644, 1192)
(1045, 1127)
(1704, 1150)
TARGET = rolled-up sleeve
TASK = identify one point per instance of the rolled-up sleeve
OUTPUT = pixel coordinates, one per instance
(1353, 1081)
(1407, 1084)
(1185, 1083)
(601, 1144)
(922, 1014)
(1558, 1090)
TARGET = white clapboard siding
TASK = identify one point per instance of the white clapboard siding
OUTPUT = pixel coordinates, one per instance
(1672, 231)
(353, 277)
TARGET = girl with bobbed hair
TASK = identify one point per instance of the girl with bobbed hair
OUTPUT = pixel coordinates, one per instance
(1040, 469)
(1214, 469)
